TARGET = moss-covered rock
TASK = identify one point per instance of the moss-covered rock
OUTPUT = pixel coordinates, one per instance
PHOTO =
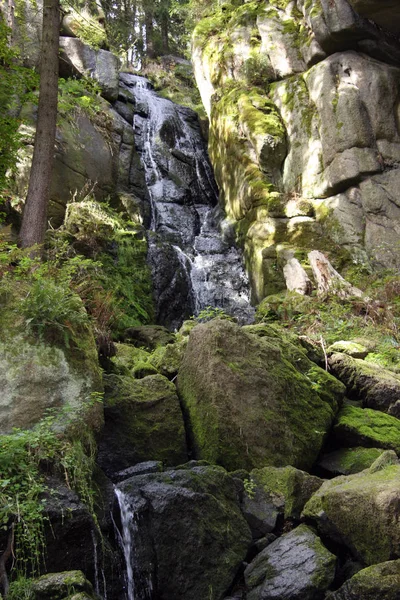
(366, 427)
(352, 348)
(297, 565)
(38, 376)
(58, 586)
(360, 511)
(348, 461)
(378, 582)
(186, 513)
(288, 488)
(247, 404)
(376, 387)
(143, 422)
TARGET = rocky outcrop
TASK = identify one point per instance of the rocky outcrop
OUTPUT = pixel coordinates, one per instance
(303, 104)
(192, 537)
(360, 510)
(253, 401)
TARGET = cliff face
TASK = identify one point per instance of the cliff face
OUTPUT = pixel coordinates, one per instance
(303, 100)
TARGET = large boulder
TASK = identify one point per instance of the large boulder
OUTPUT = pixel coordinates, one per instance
(378, 582)
(361, 511)
(78, 59)
(376, 387)
(296, 566)
(188, 535)
(143, 421)
(247, 404)
(348, 461)
(37, 377)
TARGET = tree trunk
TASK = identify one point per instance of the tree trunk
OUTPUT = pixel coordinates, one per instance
(34, 221)
(164, 33)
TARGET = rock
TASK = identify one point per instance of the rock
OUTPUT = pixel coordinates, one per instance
(351, 348)
(360, 511)
(348, 461)
(296, 278)
(57, 586)
(297, 565)
(84, 160)
(378, 582)
(143, 422)
(196, 513)
(151, 466)
(126, 358)
(78, 59)
(366, 427)
(70, 533)
(247, 405)
(259, 511)
(376, 387)
(384, 13)
(149, 336)
(38, 377)
(287, 488)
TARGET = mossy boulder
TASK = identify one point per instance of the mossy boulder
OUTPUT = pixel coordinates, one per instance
(378, 582)
(366, 427)
(297, 565)
(143, 421)
(126, 358)
(361, 511)
(192, 537)
(288, 488)
(351, 348)
(58, 586)
(376, 387)
(348, 461)
(149, 336)
(247, 404)
(37, 376)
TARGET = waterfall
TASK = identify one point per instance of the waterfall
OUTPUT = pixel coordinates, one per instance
(139, 583)
(193, 266)
(127, 521)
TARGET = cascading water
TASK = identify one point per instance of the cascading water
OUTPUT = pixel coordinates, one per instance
(193, 265)
(194, 261)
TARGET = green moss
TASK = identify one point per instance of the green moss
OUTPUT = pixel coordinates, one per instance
(348, 461)
(357, 506)
(364, 426)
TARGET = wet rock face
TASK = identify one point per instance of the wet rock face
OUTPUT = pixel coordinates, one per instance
(192, 266)
(191, 537)
(296, 566)
(332, 70)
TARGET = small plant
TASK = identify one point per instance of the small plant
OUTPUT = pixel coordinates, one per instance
(211, 312)
(250, 487)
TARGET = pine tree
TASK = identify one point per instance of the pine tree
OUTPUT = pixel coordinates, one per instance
(34, 221)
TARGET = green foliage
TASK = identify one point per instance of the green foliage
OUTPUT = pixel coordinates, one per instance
(81, 96)
(374, 317)
(85, 23)
(41, 297)
(96, 229)
(20, 589)
(250, 488)
(16, 86)
(26, 456)
(212, 312)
